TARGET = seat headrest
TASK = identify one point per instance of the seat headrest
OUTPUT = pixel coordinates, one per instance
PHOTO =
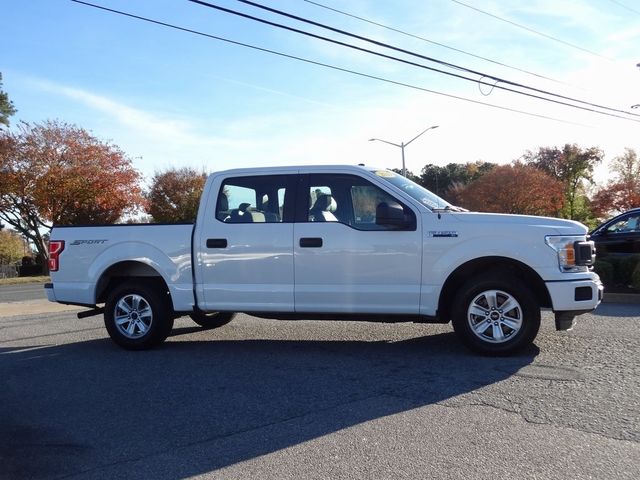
(325, 203)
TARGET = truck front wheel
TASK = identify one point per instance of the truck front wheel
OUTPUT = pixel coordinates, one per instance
(496, 314)
(137, 316)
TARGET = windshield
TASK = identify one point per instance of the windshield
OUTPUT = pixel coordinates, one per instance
(421, 194)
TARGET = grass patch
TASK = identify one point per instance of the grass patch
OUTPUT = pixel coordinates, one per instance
(21, 280)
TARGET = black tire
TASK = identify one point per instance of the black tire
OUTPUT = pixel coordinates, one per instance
(496, 314)
(212, 319)
(138, 315)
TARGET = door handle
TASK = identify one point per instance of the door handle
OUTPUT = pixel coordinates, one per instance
(216, 243)
(311, 242)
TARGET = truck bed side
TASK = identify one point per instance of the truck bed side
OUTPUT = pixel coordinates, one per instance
(95, 256)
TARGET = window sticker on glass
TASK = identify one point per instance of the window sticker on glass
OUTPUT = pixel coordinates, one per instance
(428, 202)
(385, 173)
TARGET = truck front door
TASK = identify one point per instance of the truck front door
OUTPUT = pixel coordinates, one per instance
(346, 259)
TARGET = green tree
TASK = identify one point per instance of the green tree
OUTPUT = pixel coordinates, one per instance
(444, 181)
(574, 167)
(6, 106)
(174, 195)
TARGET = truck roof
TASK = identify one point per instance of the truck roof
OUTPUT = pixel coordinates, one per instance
(297, 169)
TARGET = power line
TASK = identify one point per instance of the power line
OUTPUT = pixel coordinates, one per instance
(325, 65)
(440, 62)
(620, 4)
(431, 59)
(528, 29)
(418, 37)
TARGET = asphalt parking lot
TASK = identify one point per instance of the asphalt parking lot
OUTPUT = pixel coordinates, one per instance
(261, 399)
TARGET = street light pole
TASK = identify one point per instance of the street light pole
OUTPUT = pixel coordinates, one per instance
(401, 145)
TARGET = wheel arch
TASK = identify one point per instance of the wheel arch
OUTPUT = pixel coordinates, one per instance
(129, 270)
(494, 264)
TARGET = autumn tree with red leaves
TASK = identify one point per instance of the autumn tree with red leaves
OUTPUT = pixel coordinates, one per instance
(517, 188)
(174, 195)
(56, 173)
(615, 198)
(623, 191)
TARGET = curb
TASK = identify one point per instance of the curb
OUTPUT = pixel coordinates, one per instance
(34, 307)
(633, 298)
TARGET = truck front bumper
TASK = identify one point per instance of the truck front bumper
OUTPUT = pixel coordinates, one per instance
(574, 297)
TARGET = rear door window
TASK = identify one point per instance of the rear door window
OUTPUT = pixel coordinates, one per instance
(256, 199)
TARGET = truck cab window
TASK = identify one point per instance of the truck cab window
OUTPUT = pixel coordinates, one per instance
(259, 199)
(365, 200)
(322, 205)
(353, 201)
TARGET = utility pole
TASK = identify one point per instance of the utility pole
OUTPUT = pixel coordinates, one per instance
(402, 145)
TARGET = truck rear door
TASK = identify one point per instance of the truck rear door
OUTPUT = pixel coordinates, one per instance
(244, 247)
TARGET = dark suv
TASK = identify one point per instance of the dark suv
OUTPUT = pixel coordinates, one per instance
(619, 236)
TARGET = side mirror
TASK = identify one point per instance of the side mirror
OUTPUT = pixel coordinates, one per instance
(391, 215)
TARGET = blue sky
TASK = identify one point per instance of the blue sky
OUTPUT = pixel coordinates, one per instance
(173, 99)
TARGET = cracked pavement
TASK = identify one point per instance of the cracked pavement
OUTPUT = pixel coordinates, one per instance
(276, 400)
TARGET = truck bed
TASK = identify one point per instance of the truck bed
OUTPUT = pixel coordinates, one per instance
(91, 250)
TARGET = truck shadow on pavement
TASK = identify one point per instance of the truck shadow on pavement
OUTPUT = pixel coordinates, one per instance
(622, 310)
(92, 410)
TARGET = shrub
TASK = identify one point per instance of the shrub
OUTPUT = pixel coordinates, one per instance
(626, 269)
(623, 269)
(605, 270)
(30, 270)
(635, 277)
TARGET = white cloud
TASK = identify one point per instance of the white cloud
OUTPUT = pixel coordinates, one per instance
(295, 129)
(144, 123)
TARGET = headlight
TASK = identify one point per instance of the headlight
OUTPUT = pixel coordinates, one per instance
(570, 259)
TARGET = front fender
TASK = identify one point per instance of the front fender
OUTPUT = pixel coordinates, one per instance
(447, 258)
(444, 255)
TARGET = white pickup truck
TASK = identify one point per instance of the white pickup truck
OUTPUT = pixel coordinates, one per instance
(329, 242)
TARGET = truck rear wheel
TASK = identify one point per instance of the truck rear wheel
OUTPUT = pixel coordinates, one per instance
(496, 314)
(212, 319)
(137, 316)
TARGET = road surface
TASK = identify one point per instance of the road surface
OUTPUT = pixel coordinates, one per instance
(261, 399)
